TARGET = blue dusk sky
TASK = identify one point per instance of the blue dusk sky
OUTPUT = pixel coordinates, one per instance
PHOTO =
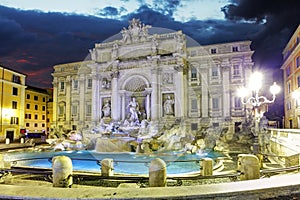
(36, 35)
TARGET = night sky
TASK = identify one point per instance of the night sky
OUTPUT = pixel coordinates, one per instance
(33, 40)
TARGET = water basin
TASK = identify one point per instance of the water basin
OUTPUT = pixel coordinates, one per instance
(124, 163)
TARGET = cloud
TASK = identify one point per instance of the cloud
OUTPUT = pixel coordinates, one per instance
(110, 11)
(33, 42)
(277, 19)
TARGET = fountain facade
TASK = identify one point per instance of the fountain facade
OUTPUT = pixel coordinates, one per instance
(142, 83)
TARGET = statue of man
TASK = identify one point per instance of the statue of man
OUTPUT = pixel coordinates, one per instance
(133, 109)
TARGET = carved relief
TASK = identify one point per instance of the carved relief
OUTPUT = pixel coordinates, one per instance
(168, 78)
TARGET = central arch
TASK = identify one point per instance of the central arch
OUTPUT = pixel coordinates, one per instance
(136, 86)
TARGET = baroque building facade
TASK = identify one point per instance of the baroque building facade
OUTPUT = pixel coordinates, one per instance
(168, 80)
(12, 99)
(291, 79)
(36, 110)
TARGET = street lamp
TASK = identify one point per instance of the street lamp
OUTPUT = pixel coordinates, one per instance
(256, 101)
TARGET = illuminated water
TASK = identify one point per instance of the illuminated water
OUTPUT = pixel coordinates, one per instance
(127, 163)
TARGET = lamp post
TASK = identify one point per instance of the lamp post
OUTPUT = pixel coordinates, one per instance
(256, 101)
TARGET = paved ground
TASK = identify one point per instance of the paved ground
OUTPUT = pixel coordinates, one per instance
(5, 147)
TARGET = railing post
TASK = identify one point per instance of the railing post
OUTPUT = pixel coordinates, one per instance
(250, 167)
(62, 170)
(157, 173)
(207, 167)
(107, 167)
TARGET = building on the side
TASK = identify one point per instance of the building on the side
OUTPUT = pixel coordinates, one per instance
(12, 98)
(36, 111)
(170, 80)
(49, 108)
(291, 71)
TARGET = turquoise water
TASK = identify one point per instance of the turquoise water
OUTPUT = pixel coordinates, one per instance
(127, 163)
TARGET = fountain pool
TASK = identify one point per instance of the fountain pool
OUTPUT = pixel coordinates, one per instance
(124, 163)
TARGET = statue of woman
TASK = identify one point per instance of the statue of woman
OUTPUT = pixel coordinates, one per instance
(168, 106)
(106, 109)
(133, 109)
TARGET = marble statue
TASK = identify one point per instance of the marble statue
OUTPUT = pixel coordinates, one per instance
(133, 109)
(168, 106)
(106, 109)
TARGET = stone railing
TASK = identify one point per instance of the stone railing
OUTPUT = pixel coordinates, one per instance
(284, 143)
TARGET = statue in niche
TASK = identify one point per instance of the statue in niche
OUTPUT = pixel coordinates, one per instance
(134, 110)
(168, 106)
(106, 109)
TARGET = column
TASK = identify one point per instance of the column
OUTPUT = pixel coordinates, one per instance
(68, 101)
(148, 103)
(155, 105)
(114, 97)
(55, 85)
(123, 106)
(204, 89)
(180, 97)
(96, 111)
(226, 88)
(81, 99)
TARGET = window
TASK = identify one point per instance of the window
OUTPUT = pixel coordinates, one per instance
(43, 125)
(237, 102)
(288, 71)
(288, 105)
(28, 106)
(215, 125)
(43, 117)
(194, 106)
(14, 120)
(193, 74)
(36, 107)
(74, 110)
(15, 91)
(289, 88)
(74, 127)
(214, 72)
(298, 61)
(61, 110)
(27, 124)
(43, 108)
(35, 125)
(16, 79)
(88, 109)
(44, 99)
(89, 85)
(28, 96)
(236, 70)
(75, 84)
(14, 105)
(35, 116)
(213, 51)
(62, 86)
(298, 81)
(194, 126)
(215, 103)
(29, 116)
(36, 98)
(235, 49)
